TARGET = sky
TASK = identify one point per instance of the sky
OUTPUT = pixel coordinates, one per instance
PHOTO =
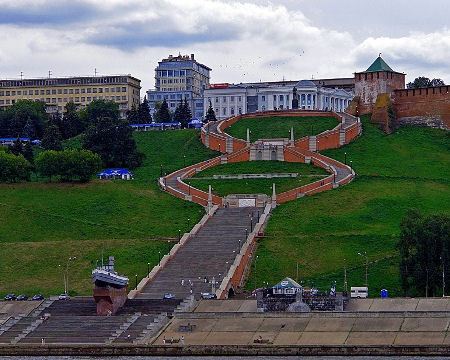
(242, 41)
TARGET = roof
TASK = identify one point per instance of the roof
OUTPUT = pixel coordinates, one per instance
(287, 283)
(379, 65)
(305, 84)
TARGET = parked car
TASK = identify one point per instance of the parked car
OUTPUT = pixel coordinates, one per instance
(22, 297)
(169, 296)
(208, 296)
(37, 297)
(10, 297)
(64, 297)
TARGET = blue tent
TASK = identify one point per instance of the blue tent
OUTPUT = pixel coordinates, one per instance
(115, 173)
(195, 123)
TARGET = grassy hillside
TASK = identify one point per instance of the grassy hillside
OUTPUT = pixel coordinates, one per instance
(325, 232)
(42, 224)
(280, 127)
(306, 174)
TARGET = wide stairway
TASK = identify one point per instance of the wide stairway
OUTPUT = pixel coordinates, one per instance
(200, 265)
(75, 322)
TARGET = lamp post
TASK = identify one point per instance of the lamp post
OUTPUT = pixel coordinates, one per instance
(351, 165)
(246, 234)
(184, 160)
(66, 274)
(161, 171)
(345, 277)
(148, 269)
(159, 258)
(345, 158)
(136, 281)
(364, 254)
(256, 259)
(239, 249)
(443, 276)
(189, 223)
(251, 224)
(179, 235)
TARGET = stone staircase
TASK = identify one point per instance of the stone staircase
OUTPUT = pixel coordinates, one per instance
(209, 254)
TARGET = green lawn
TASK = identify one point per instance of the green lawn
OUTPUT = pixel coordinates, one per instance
(307, 174)
(325, 232)
(42, 223)
(280, 127)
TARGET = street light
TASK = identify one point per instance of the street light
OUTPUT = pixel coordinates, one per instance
(159, 258)
(66, 274)
(189, 223)
(179, 235)
(239, 249)
(136, 282)
(161, 171)
(184, 160)
(345, 158)
(246, 234)
(364, 254)
(351, 165)
(148, 269)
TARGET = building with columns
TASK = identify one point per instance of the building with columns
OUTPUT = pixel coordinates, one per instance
(233, 99)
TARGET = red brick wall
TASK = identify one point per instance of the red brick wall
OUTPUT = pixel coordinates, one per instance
(328, 140)
(426, 103)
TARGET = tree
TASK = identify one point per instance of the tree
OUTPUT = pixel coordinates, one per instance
(210, 114)
(186, 114)
(52, 139)
(163, 113)
(71, 125)
(423, 81)
(424, 253)
(111, 137)
(69, 165)
(178, 114)
(17, 147)
(13, 168)
(144, 115)
(24, 118)
(133, 116)
(28, 152)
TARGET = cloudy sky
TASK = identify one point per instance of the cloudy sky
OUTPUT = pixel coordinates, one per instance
(246, 40)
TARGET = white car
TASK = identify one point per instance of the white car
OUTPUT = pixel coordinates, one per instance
(64, 297)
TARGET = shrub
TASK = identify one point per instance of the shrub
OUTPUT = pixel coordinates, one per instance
(69, 165)
(13, 168)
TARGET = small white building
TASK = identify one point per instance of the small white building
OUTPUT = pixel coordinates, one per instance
(233, 99)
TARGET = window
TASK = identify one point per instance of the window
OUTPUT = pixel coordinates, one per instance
(274, 98)
(47, 92)
(25, 92)
(42, 92)
(239, 98)
(89, 90)
(83, 91)
(263, 98)
(281, 97)
(217, 99)
(232, 111)
(19, 92)
(224, 99)
(124, 97)
(106, 90)
(94, 90)
(77, 91)
(65, 91)
(89, 98)
(83, 99)
(231, 98)
(36, 92)
(124, 89)
(224, 111)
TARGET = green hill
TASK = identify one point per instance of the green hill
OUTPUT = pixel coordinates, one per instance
(325, 232)
(43, 224)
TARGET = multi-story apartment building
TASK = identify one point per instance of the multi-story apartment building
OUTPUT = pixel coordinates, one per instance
(178, 78)
(233, 99)
(57, 92)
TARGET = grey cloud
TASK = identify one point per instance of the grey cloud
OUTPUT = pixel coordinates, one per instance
(48, 13)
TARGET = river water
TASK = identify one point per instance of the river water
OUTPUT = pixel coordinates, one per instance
(222, 358)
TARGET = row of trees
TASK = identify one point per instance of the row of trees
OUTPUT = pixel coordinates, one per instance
(181, 114)
(424, 254)
(68, 165)
(103, 132)
(423, 81)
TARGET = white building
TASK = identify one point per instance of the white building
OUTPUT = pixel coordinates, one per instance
(232, 99)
